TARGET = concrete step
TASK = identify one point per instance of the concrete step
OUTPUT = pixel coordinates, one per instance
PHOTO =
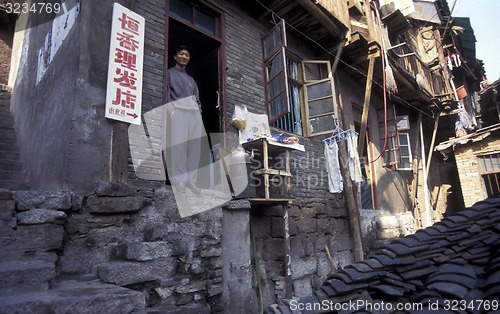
(35, 275)
(74, 296)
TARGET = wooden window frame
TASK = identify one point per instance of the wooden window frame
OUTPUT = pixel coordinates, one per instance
(308, 82)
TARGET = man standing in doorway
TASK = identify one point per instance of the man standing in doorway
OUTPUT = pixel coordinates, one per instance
(185, 125)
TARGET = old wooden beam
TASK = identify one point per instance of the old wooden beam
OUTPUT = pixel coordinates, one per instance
(366, 104)
(433, 141)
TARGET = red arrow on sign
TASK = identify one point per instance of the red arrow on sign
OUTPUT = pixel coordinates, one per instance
(132, 115)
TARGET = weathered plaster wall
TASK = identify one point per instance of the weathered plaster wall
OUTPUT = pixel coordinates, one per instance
(60, 122)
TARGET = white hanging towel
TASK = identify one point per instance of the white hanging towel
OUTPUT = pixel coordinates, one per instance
(335, 182)
(354, 164)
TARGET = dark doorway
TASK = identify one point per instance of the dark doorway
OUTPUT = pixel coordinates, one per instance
(203, 67)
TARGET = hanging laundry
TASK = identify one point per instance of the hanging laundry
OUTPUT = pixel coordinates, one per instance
(335, 181)
(354, 164)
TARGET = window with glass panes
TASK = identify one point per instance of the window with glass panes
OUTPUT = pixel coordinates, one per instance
(299, 94)
(194, 15)
(489, 166)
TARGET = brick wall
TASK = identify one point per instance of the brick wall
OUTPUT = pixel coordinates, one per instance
(145, 140)
(473, 189)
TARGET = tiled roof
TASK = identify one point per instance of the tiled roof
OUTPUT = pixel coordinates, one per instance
(450, 267)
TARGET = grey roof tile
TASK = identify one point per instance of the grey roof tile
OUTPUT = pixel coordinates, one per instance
(389, 290)
(358, 276)
(460, 269)
(373, 263)
(449, 289)
(493, 279)
(362, 267)
(461, 280)
(457, 258)
(415, 265)
(493, 293)
(401, 249)
(341, 276)
(469, 213)
(405, 286)
(408, 241)
(419, 273)
(458, 219)
(341, 288)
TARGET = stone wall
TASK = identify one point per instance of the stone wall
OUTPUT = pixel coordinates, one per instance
(122, 235)
(473, 188)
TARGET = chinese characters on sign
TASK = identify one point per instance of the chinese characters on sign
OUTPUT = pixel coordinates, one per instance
(124, 90)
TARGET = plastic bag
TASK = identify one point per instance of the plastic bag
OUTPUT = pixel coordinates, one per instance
(239, 119)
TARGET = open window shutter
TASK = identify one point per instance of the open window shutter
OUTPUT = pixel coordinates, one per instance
(278, 104)
(319, 101)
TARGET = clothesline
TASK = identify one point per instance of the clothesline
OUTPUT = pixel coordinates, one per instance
(340, 135)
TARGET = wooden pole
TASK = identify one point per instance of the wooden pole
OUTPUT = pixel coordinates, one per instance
(118, 171)
(433, 141)
(428, 218)
(352, 207)
(366, 104)
(414, 183)
(119, 152)
(349, 193)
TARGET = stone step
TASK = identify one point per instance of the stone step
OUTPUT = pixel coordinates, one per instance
(14, 185)
(11, 165)
(8, 140)
(10, 155)
(18, 176)
(6, 119)
(5, 147)
(74, 296)
(7, 132)
(34, 275)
